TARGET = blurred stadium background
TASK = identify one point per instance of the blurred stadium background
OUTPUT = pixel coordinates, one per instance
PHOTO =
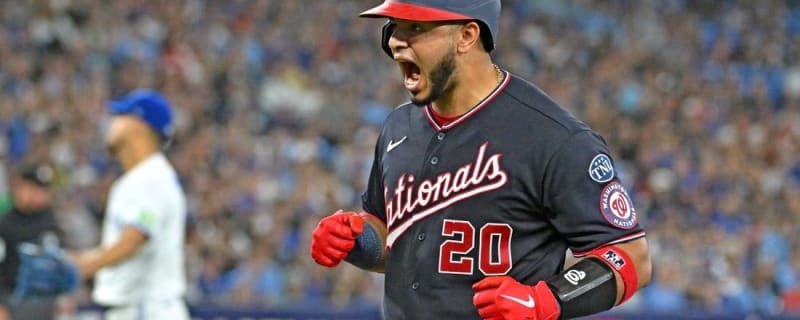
(280, 102)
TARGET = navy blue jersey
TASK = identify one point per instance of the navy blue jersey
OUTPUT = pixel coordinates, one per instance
(505, 188)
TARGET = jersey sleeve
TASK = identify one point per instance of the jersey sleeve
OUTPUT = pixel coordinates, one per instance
(588, 205)
(372, 200)
(142, 213)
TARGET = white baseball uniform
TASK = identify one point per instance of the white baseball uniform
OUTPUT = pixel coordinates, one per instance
(150, 284)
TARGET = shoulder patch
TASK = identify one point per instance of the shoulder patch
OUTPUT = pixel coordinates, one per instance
(601, 169)
(146, 219)
(617, 207)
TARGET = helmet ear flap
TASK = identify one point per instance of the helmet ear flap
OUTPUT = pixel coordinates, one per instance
(486, 36)
(386, 33)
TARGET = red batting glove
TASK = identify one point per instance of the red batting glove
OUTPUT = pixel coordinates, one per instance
(503, 298)
(335, 236)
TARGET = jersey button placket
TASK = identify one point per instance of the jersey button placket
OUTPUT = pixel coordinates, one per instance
(421, 236)
(434, 160)
(415, 285)
(440, 136)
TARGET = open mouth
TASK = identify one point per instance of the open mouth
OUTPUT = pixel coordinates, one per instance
(411, 76)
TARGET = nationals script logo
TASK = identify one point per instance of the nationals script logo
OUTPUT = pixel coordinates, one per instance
(411, 202)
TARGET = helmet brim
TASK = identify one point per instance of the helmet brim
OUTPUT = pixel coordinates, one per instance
(413, 12)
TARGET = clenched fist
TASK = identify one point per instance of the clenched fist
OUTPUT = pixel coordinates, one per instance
(503, 298)
(335, 236)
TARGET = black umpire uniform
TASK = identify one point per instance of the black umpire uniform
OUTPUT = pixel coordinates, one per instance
(31, 219)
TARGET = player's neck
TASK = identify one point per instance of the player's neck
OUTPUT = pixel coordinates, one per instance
(135, 152)
(473, 84)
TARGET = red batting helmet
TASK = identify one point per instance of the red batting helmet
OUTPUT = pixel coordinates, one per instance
(485, 12)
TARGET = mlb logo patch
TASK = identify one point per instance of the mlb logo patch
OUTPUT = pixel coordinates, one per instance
(601, 170)
(617, 207)
(613, 258)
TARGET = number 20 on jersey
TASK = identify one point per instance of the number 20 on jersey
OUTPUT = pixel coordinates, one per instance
(493, 242)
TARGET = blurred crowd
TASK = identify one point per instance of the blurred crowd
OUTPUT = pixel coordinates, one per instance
(279, 104)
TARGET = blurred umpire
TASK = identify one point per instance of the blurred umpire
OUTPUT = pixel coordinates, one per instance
(31, 219)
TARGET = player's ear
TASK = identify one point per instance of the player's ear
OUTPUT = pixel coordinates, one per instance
(469, 37)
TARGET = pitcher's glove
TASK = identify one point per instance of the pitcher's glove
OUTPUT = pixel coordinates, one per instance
(44, 271)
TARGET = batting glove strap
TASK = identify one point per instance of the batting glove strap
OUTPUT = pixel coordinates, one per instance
(368, 249)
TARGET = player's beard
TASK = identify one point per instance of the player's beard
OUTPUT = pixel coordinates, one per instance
(439, 80)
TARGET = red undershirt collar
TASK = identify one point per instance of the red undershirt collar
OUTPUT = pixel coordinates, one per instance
(442, 120)
(442, 123)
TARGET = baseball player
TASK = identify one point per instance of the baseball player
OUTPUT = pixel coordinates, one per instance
(481, 183)
(140, 266)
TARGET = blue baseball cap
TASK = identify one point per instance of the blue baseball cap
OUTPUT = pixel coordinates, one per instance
(150, 106)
